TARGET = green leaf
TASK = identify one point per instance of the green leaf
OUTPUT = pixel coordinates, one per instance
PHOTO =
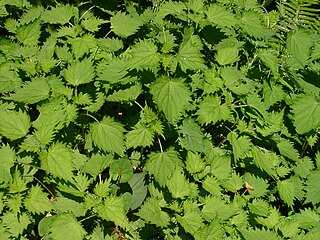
(287, 149)
(260, 186)
(313, 190)
(32, 92)
(97, 163)
(65, 226)
(240, 145)
(108, 135)
(263, 160)
(13, 124)
(58, 161)
(60, 14)
(172, 97)
(220, 16)
(189, 57)
(112, 209)
(124, 25)
(29, 34)
(299, 44)
(194, 163)
(7, 158)
(221, 166)
(290, 189)
(139, 136)
(178, 185)
(162, 165)
(151, 212)
(191, 137)
(214, 208)
(211, 110)
(250, 234)
(306, 111)
(92, 24)
(139, 189)
(144, 55)
(79, 72)
(125, 95)
(253, 25)
(16, 224)
(66, 205)
(37, 201)
(211, 232)
(270, 59)
(227, 55)
(303, 167)
(9, 80)
(212, 185)
(121, 169)
(191, 221)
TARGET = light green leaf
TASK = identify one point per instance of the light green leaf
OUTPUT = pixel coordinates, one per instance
(65, 226)
(178, 185)
(212, 231)
(162, 165)
(151, 212)
(306, 111)
(124, 25)
(191, 221)
(260, 186)
(227, 55)
(211, 110)
(240, 145)
(9, 80)
(112, 209)
(221, 166)
(32, 92)
(290, 189)
(29, 34)
(303, 167)
(13, 124)
(7, 158)
(60, 14)
(121, 170)
(263, 160)
(313, 190)
(299, 44)
(67, 205)
(172, 97)
(214, 208)
(139, 136)
(220, 16)
(16, 224)
(108, 135)
(37, 201)
(144, 55)
(287, 149)
(97, 163)
(270, 59)
(79, 72)
(212, 185)
(194, 163)
(250, 234)
(125, 95)
(92, 24)
(189, 57)
(253, 25)
(58, 161)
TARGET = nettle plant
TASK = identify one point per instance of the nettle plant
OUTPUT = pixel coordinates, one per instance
(159, 120)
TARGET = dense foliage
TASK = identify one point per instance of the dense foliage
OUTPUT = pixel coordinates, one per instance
(192, 119)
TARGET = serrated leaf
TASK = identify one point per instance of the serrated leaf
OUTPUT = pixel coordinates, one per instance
(9, 80)
(162, 165)
(214, 208)
(32, 92)
(58, 161)
(212, 231)
(37, 201)
(7, 157)
(112, 209)
(79, 72)
(65, 226)
(253, 26)
(250, 234)
(191, 221)
(124, 25)
(13, 124)
(263, 160)
(194, 163)
(299, 44)
(172, 97)
(221, 166)
(139, 189)
(125, 95)
(240, 145)
(270, 59)
(108, 135)
(287, 149)
(60, 14)
(15, 223)
(92, 24)
(290, 189)
(97, 163)
(189, 57)
(212, 185)
(144, 55)
(29, 34)
(220, 16)
(178, 185)
(313, 190)
(66, 205)
(151, 212)
(306, 111)
(227, 55)
(211, 110)
(259, 185)
(139, 136)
